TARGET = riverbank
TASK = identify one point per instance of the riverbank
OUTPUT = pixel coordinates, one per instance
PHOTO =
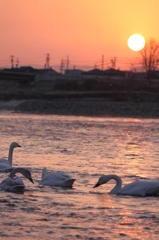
(85, 97)
(83, 107)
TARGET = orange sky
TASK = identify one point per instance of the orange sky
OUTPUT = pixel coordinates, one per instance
(84, 30)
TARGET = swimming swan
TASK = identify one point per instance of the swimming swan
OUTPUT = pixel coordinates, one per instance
(137, 188)
(6, 165)
(60, 179)
(15, 184)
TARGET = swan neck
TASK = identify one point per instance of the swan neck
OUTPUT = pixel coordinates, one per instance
(44, 172)
(10, 155)
(118, 185)
(16, 170)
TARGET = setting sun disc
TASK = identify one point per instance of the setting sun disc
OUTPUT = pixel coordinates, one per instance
(136, 42)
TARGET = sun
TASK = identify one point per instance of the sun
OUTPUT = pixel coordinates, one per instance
(136, 42)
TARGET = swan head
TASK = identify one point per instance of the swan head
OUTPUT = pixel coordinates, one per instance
(103, 179)
(14, 145)
(27, 174)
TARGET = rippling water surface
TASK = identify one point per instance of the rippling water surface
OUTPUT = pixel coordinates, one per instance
(85, 148)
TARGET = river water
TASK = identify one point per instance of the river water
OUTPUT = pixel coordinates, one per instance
(85, 148)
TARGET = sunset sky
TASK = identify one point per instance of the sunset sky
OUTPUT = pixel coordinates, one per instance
(84, 30)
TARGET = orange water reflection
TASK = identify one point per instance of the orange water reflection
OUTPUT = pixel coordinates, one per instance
(85, 148)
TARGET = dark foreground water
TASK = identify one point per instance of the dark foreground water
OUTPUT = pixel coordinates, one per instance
(85, 148)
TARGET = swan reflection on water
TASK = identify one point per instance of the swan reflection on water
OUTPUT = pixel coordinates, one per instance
(137, 188)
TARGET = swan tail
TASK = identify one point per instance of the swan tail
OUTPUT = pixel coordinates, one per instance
(68, 183)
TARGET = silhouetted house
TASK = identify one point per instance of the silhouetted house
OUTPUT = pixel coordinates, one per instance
(26, 69)
(27, 74)
(46, 75)
(111, 73)
(94, 72)
(73, 72)
(15, 74)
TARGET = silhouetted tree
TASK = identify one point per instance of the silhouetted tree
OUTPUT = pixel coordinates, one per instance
(150, 57)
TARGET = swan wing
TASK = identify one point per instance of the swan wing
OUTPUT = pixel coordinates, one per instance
(3, 160)
(140, 188)
(13, 185)
(57, 179)
(4, 167)
(63, 175)
(151, 188)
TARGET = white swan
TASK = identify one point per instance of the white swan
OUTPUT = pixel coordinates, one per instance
(6, 165)
(15, 184)
(60, 179)
(137, 188)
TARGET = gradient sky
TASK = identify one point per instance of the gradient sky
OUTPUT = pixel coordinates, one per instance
(84, 30)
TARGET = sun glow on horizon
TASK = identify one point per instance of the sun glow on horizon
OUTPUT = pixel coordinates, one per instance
(32, 29)
(136, 42)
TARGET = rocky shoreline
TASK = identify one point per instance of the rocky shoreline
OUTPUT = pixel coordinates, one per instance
(98, 107)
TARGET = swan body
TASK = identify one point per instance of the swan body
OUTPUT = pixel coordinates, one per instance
(6, 165)
(137, 188)
(60, 179)
(15, 184)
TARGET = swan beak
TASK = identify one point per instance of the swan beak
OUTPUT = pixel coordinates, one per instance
(97, 184)
(19, 145)
(31, 180)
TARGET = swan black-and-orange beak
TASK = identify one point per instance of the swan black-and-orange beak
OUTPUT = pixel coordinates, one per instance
(97, 185)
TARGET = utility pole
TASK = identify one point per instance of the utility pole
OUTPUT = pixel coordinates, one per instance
(102, 62)
(17, 63)
(67, 62)
(12, 61)
(47, 63)
(62, 66)
(113, 62)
